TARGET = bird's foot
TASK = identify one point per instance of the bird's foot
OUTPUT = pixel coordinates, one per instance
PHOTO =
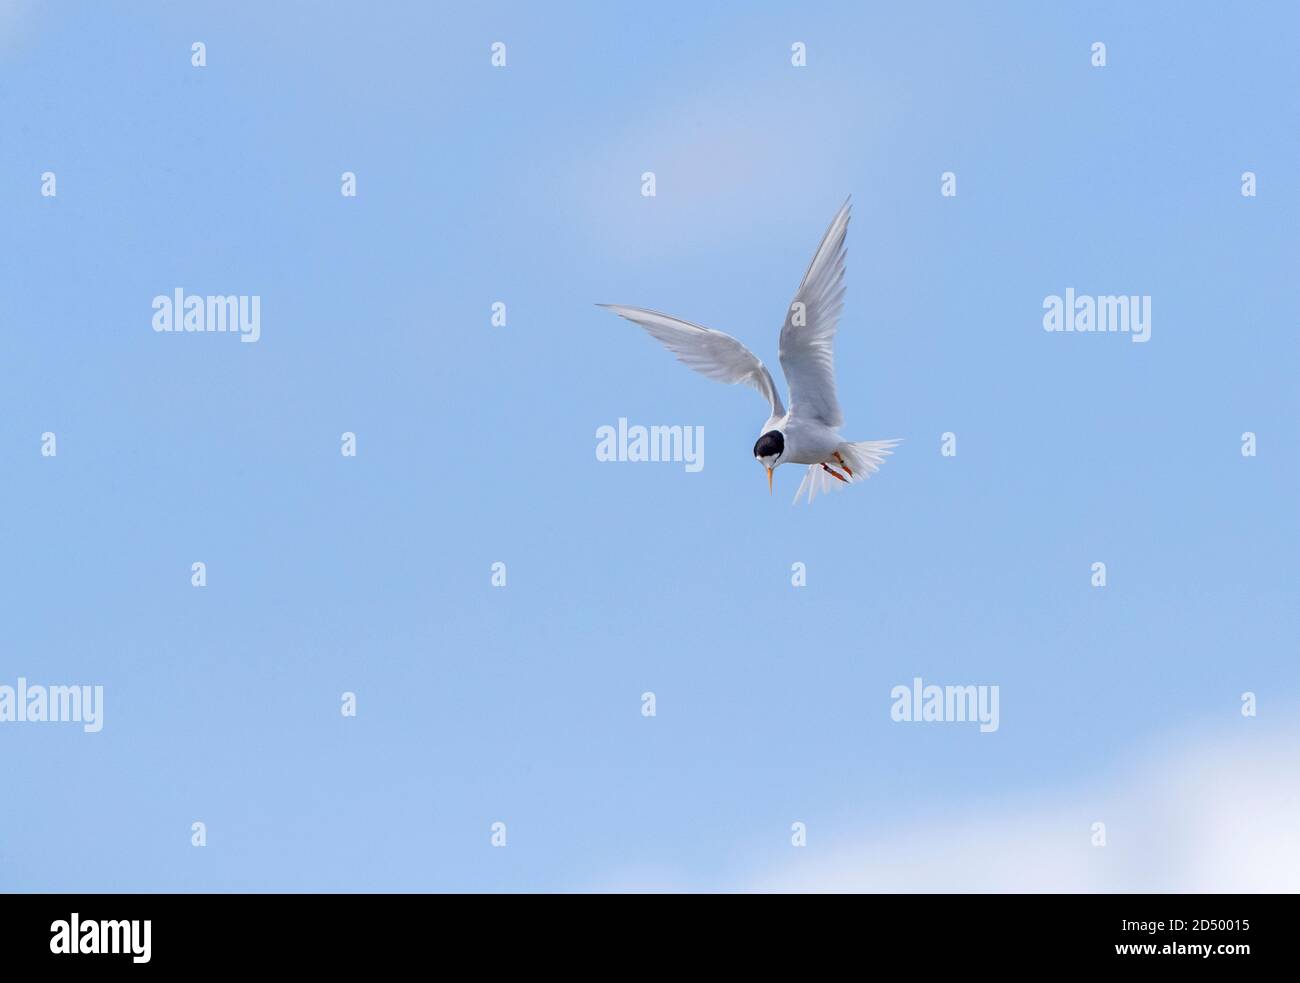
(831, 471)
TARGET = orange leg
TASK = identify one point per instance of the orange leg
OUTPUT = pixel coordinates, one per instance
(843, 465)
(829, 470)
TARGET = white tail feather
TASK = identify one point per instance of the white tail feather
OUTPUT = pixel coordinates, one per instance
(861, 460)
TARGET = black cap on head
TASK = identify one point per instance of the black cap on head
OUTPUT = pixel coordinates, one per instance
(771, 444)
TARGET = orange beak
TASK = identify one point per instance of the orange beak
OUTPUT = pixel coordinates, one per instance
(769, 481)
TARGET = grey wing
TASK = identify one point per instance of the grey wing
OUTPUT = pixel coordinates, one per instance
(807, 339)
(711, 353)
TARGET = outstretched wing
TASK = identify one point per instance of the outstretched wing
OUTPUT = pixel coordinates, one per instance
(709, 352)
(809, 332)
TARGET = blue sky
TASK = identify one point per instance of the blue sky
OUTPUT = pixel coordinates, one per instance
(476, 444)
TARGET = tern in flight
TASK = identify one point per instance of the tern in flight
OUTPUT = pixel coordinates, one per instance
(809, 432)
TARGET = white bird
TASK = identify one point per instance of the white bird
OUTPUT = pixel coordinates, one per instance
(809, 432)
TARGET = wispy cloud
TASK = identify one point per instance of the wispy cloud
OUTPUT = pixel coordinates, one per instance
(717, 158)
(1217, 815)
(14, 17)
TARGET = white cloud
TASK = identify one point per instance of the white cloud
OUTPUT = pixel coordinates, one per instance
(1221, 816)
